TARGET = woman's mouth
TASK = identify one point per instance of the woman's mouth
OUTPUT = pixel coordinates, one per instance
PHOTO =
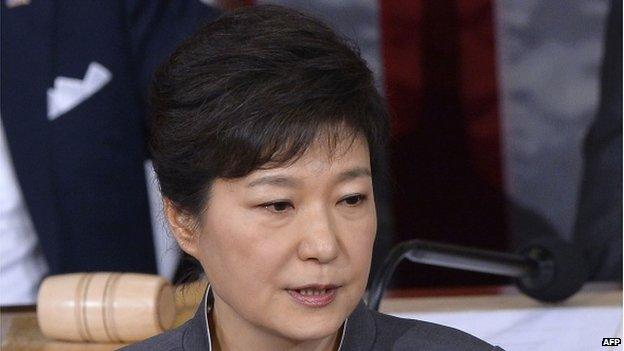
(315, 295)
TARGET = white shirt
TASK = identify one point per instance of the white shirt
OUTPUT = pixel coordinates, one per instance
(22, 265)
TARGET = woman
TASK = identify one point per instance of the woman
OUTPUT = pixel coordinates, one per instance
(266, 134)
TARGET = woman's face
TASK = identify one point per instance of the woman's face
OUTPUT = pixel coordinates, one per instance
(313, 222)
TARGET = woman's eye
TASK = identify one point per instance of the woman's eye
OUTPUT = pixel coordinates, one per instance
(354, 200)
(278, 207)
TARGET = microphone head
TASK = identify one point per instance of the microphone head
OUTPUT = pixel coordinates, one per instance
(561, 270)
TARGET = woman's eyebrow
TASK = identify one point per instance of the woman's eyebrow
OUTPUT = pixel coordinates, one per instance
(276, 180)
(292, 182)
(352, 174)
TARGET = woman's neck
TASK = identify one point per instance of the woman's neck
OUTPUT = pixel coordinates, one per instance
(228, 333)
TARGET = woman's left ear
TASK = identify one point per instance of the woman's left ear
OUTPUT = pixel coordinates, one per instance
(183, 226)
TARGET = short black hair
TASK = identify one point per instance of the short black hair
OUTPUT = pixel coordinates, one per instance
(253, 90)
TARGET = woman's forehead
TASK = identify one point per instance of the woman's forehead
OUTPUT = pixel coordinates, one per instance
(323, 158)
(345, 162)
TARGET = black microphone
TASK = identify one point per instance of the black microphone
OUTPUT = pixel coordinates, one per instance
(548, 269)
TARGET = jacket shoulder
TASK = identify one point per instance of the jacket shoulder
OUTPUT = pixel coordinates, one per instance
(170, 340)
(394, 333)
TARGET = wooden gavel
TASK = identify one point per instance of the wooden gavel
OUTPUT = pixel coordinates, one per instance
(105, 307)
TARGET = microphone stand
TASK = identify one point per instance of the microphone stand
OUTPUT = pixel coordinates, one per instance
(535, 268)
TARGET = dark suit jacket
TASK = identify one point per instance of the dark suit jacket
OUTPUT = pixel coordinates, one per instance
(366, 330)
(82, 173)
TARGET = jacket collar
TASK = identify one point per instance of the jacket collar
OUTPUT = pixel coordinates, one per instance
(361, 331)
(358, 329)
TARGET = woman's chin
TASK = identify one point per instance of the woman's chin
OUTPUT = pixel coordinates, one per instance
(309, 330)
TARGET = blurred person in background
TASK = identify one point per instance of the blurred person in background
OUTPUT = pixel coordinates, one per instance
(73, 159)
(598, 227)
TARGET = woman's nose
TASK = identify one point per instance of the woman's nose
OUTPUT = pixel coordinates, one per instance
(319, 240)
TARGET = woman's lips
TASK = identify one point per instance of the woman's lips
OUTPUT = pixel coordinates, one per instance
(320, 298)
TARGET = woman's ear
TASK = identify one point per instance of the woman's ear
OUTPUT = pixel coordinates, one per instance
(183, 226)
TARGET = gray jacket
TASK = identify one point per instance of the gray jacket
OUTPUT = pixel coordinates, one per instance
(365, 330)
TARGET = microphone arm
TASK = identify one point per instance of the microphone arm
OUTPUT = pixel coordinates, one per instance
(537, 268)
